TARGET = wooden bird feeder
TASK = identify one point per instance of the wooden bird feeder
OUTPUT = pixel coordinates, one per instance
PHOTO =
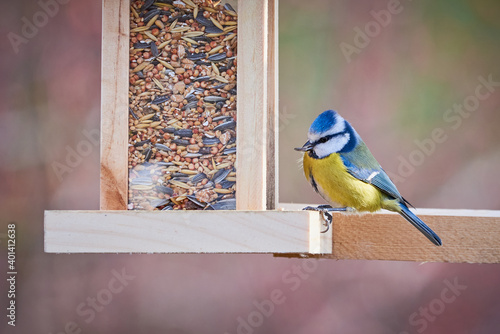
(259, 224)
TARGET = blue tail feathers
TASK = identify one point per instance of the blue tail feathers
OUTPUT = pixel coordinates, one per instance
(420, 225)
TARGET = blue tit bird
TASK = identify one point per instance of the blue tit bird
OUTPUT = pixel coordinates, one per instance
(341, 168)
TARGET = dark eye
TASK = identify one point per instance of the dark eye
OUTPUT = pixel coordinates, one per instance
(322, 140)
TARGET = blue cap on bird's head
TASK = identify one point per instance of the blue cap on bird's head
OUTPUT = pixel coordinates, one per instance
(324, 121)
(327, 122)
(329, 133)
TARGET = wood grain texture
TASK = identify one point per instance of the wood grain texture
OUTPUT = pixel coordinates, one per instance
(470, 236)
(471, 239)
(184, 232)
(272, 109)
(114, 105)
(256, 187)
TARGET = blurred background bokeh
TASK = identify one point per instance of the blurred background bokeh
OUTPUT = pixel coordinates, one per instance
(399, 82)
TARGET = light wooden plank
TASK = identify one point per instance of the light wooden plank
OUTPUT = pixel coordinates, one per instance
(472, 239)
(257, 105)
(470, 236)
(114, 104)
(320, 241)
(184, 232)
(272, 110)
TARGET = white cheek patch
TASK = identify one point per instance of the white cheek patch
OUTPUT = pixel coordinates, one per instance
(334, 145)
(337, 128)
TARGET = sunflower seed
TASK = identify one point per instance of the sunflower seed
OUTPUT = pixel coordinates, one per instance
(228, 6)
(160, 99)
(183, 178)
(154, 50)
(147, 154)
(231, 150)
(181, 142)
(220, 175)
(214, 99)
(184, 133)
(204, 78)
(204, 150)
(209, 184)
(141, 143)
(212, 29)
(222, 118)
(142, 45)
(227, 184)
(196, 56)
(149, 15)
(169, 130)
(163, 147)
(147, 4)
(198, 177)
(159, 202)
(190, 105)
(165, 190)
(201, 39)
(225, 126)
(132, 113)
(195, 201)
(210, 141)
(144, 181)
(225, 204)
(202, 20)
(218, 57)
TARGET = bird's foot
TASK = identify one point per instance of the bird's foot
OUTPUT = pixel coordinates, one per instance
(325, 210)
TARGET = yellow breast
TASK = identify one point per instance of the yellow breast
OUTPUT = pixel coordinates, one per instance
(336, 185)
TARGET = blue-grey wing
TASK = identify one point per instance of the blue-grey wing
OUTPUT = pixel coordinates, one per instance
(361, 164)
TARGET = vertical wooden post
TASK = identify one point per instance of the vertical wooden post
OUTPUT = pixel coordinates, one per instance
(114, 105)
(257, 149)
(272, 107)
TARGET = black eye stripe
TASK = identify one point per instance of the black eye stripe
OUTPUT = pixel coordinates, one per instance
(349, 140)
(327, 138)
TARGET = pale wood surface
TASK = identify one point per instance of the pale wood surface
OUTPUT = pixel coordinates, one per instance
(256, 186)
(272, 109)
(184, 232)
(390, 237)
(468, 236)
(114, 105)
(471, 236)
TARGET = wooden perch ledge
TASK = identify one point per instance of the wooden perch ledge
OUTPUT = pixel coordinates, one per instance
(471, 236)
(185, 232)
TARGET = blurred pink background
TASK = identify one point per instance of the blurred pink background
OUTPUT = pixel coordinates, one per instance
(396, 90)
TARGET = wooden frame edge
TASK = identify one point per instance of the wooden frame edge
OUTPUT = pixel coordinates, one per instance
(257, 149)
(114, 105)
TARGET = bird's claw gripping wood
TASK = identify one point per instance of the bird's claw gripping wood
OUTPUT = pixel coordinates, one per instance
(325, 210)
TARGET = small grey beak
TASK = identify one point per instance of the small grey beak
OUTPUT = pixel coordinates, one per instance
(307, 147)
